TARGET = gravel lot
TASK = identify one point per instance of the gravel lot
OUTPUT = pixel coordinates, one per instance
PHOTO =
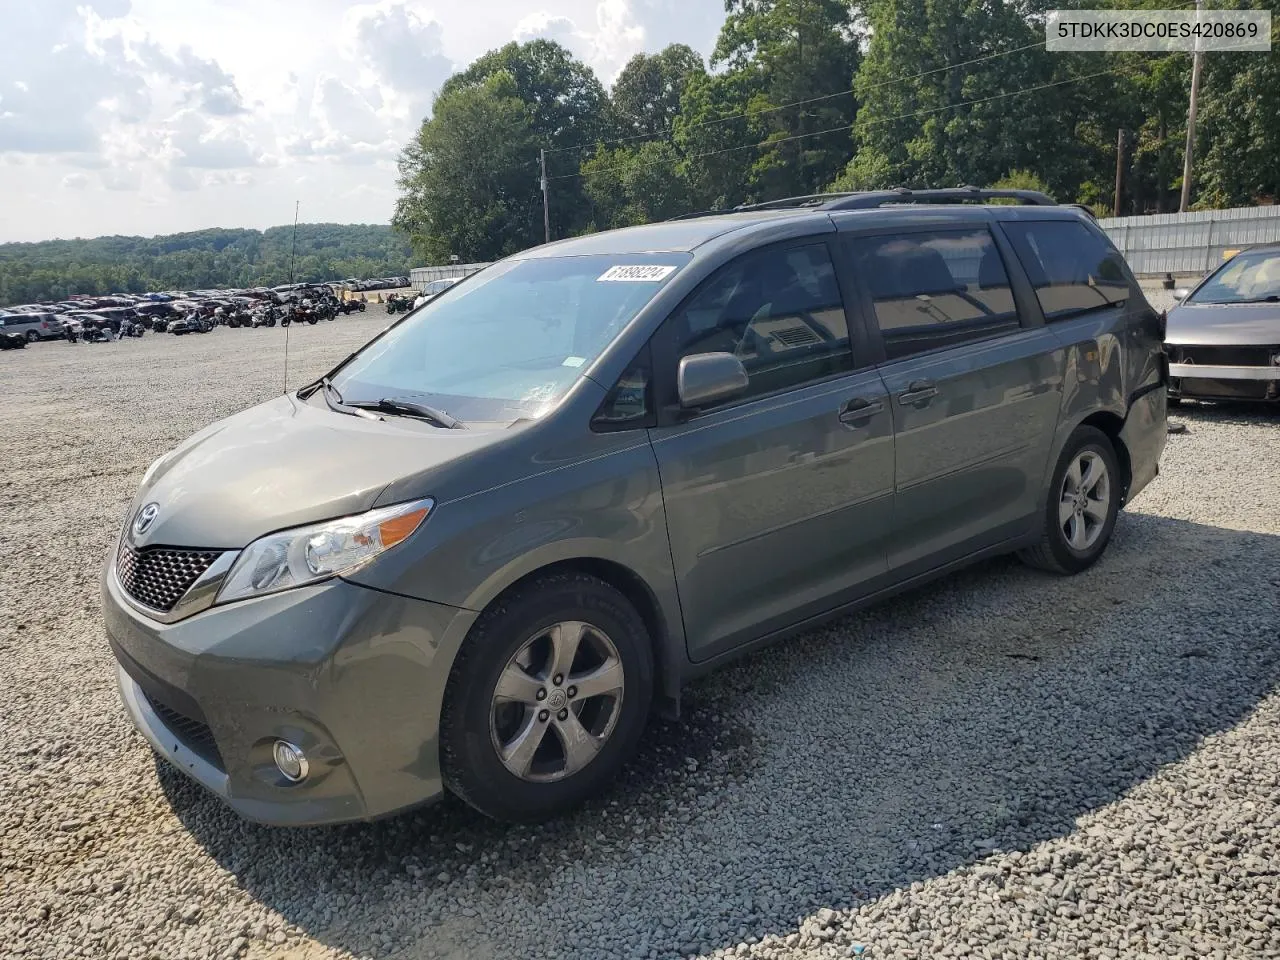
(1003, 765)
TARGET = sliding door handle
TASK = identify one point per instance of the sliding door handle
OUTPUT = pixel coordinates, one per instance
(919, 392)
(860, 409)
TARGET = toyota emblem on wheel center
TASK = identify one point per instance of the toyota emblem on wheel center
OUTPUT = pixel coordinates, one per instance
(145, 518)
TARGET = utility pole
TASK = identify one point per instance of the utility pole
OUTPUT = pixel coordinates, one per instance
(546, 201)
(1119, 168)
(293, 251)
(1189, 157)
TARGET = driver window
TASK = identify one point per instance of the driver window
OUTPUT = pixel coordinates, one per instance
(778, 311)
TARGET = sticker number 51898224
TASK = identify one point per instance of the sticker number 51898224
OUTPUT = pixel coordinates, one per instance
(635, 274)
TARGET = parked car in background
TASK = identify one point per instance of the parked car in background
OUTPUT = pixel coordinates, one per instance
(1224, 335)
(478, 551)
(32, 325)
(433, 288)
(190, 323)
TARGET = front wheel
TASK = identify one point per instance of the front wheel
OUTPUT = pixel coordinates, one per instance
(1081, 506)
(547, 698)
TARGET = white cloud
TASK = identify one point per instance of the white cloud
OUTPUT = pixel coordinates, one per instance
(163, 116)
(544, 26)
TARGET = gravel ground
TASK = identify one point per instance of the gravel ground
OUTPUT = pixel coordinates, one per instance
(1002, 765)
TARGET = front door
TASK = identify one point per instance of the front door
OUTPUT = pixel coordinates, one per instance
(779, 502)
(975, 393)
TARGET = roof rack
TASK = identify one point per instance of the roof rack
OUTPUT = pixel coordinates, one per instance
(871, 199)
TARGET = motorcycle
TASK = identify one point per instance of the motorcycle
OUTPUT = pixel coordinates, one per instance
(397, 304)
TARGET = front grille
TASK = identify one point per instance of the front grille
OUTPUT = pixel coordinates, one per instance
(195, 735)
(1227, 356)
(159, 576)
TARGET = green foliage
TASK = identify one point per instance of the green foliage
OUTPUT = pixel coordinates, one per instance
(773, 53)
(646, 96)
(1021, 180)
(633, 185)
(469, 179)
(54, 269)
(452, 202)
(1239, 124)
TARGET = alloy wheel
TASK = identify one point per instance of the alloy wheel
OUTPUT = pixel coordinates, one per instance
(556, 702)
(1085, 501)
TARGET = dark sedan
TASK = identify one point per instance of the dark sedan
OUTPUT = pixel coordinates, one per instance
(1224, 335)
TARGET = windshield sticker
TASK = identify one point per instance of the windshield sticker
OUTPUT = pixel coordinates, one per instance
(573, 361)
(635, 274)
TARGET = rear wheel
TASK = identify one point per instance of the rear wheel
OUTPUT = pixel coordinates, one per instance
(32, 336)
(1081, 507)
(547, 698)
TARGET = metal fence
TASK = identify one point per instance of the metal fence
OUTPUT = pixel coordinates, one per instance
(1190, 244)
(419, 277)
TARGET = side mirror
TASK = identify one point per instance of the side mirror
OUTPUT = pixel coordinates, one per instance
(1181, 294)
(707, 378)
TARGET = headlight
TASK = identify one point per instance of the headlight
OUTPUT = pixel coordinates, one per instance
(292, 558)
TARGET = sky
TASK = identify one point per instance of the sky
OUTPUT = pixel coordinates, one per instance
(158, 116)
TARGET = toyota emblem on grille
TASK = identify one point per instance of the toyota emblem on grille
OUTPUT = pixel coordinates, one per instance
(145, 518)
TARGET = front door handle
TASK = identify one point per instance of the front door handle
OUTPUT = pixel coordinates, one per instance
(860, 409)
(919, 392)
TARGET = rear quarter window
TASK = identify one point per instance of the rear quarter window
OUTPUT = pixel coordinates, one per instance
(1073, 269)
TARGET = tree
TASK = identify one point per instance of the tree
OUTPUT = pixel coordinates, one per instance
(799, 50)
(466, 181)
(919, 124)
(646, 96)
(635, 184)
(55, 269)
(566, 109)
(1239, 126)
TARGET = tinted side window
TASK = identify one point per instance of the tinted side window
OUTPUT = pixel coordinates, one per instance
(935, 289)
(630, 403)
(1072, 268)
(779, 311)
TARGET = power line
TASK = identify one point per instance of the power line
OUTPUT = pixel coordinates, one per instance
(801, 103)
(847, 126)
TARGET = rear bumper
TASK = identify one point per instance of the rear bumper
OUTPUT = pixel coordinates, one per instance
(1144, 435)
(353, 676)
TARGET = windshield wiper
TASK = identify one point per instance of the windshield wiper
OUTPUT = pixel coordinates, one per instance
(1269, 298)
(410, 408)
(331, 391)
(333, 400)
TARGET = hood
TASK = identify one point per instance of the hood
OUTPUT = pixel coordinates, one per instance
(1225, 324)
(283, 464)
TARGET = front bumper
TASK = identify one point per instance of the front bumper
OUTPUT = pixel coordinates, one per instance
(354, 676)
(1222, 382)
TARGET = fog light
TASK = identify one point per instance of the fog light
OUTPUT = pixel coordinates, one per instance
(290, 761)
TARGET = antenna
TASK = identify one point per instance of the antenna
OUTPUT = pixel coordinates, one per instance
(293, 253)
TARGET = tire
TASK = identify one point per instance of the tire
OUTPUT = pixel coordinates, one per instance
(33, 337)
(474, 720)
(1087, 446)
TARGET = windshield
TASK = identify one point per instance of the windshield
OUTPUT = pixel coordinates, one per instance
(1246, 277)
(512, 339)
